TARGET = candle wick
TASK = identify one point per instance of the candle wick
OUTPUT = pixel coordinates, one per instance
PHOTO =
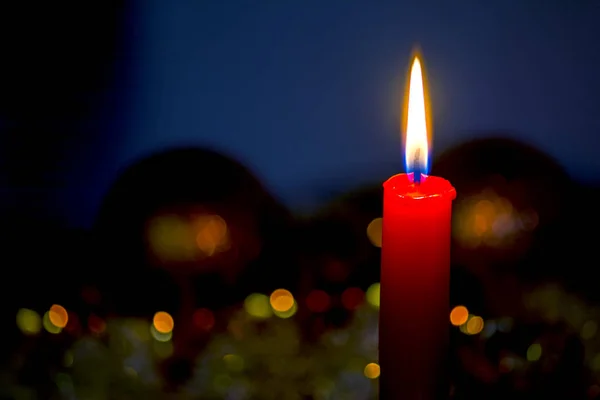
(417, 167)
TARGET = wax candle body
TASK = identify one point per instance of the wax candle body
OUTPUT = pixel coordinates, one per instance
(415, 282)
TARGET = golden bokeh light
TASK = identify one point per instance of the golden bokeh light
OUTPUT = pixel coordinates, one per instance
(459, 315)
(373, 294)
(282, 300)
(48, 325)
(491, 220)
(374, 231)
(475, 325)
(257, 306)
(29, 321)
(58, 316)
(287, 314)
(372, 371)
(163, 322)
(171, 238)
(212, 235)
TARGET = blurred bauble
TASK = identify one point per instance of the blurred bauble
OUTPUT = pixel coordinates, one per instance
(511, 205)
(340, 249)
(183, 214)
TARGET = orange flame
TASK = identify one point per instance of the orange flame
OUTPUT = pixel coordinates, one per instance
(416, 151)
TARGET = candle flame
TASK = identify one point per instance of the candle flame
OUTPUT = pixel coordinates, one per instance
(416, 149)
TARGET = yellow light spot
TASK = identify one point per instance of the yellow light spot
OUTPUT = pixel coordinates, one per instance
(374, 231)
(160, 336)
(282, 300)
(534, 352)
(257, 306)
(372, 371)
(373, 295)
(234, 362)
(28, 321)
(287, 314)
(171, 238)
(163, 322)
(459, 315)
(474, 325)
(48, 325)
(58, 316)
(589, 330)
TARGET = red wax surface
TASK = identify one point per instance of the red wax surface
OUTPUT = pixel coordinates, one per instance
(415, 281)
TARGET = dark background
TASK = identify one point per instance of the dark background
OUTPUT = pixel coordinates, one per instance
(308, 95)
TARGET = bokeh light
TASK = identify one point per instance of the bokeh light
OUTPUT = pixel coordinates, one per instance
(287, 314)
(68, 359)
(589, 329)
(96, 324)
(29, 321)
(318, 301)
(474, 325)
(163, 322)
(282, 300)
(507, 364)
(160, 336)
(204, 319)
(257, 306)
(373, 294)
(489, 329)
(491, 220)
(459, 315)
(352, 298)
(58, 316)
(48, 325)
(372, 371)
(171, 238)
(534, 352)
(212, 234)
(234, 362)
(73, 325)
(374, 231)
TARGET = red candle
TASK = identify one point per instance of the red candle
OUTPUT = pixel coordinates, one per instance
(415, 268)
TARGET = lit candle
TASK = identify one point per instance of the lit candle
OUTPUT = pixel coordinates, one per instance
(415, 267)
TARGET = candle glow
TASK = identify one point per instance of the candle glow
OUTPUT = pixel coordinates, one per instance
(415, 265)
(416, 148)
